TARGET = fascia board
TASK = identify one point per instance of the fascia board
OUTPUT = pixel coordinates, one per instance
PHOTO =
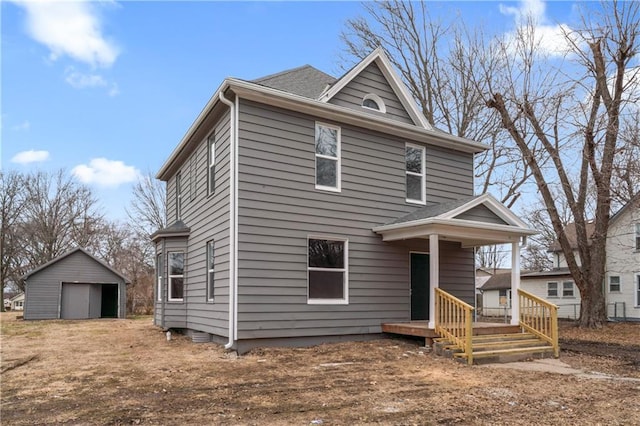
(492, 204)
(457, 223)
(346, 79)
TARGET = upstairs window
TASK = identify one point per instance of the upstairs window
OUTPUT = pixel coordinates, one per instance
(637, 236)
(178, 196)
(614, 284)
(210, 270)
(327, 157)
(374, 102)
(415, 173)
(327, 271)
(211, 167)
(176, 276)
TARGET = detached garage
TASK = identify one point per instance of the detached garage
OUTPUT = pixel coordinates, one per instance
(75, 285)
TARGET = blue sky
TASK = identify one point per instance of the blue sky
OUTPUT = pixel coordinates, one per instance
(107, 89)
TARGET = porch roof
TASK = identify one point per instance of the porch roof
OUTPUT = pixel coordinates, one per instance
(475, 221)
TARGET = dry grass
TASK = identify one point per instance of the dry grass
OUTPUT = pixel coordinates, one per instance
(126, 372)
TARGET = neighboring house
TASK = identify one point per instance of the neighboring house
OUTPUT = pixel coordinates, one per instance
(305, 209)
(496, 294)
(623, 262)
(17, 302)
(75, 285)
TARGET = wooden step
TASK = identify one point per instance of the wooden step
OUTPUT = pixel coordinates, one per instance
(514, 336)
(512, 351)
(506, 344)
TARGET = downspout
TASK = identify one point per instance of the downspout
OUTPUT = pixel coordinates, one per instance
(233, 219)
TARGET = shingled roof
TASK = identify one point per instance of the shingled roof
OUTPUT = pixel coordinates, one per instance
(305, 81)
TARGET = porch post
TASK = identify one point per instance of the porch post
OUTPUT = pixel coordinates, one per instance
(434, 274)
(515, 282)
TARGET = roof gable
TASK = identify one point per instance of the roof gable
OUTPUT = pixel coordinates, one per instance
(69, 253)
(393, 80)
(305, 81)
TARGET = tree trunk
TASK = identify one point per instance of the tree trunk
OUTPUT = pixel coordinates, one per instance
(593, 309)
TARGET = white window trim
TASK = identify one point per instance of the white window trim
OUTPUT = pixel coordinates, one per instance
(169, 286)
(159, 263)
(178, 196)
(338, 158)
(636, 236)
(423, 174)
(573, 290)
(210, 294)
(637, 290)
(378, 100)
(211, 163)
(345, 270)
(619, 284)
(558, 294)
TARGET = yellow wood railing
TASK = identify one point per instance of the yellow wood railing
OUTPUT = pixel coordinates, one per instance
(539, 317)
(454, 321)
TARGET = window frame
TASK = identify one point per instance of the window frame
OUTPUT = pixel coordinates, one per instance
(337, 158)
(549, 295)
(211, 164)
(637, 236)
(422, 174)
(619, 284)
(171, 277)
(345, 272)
(637, 290)
(377, 99)
(159, 274)
(178, 196)
(210, 249)
(573, 290)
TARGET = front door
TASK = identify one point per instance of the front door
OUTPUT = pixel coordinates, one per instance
(419, 286)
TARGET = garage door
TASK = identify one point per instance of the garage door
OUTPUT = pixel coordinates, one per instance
(75, 301)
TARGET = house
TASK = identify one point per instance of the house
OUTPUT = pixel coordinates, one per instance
(496, 294)
(623, 262)
(306, 208)
(75, 285)
(16, 303)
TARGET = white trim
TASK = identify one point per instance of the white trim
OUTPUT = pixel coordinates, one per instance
(619, 284)
(434, 276)
(377, 99)
(515, 282)
(178, 198)
(422, 174)
(345, 271)
(159, 275)
(170, 277)
(392, 77)
(210, 296)
(211, 162)
(636, 290)
(337, 158)
(492, 204)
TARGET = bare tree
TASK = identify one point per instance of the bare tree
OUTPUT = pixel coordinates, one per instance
(11, 203)
(56, 214)
(148, 209)
(438, 59)
(574, 122)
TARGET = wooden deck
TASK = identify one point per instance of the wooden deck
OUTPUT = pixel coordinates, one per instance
(421, 329)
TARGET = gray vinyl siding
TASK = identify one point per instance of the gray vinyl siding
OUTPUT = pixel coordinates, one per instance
(279, 208)
(43, 288)
(208, 217)
(457, 271)
(371, 80)
(481, 213)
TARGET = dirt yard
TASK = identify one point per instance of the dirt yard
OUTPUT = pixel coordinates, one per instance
(119, 372)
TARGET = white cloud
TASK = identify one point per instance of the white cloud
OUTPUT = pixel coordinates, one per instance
(24, 126)
(71, 28)
(31, 156)
(81, 81)
(104, 172)
(549, 37)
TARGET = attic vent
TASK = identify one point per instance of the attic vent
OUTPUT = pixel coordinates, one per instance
(375, 102)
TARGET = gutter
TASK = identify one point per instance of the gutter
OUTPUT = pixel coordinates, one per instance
(233, 218)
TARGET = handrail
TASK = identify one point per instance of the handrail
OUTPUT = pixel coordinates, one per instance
(453, 321)
(539, 317)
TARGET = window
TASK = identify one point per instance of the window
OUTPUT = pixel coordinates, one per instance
(159, 278)
(374, 102)
(211, 172)
(210, 270)
(176, 276)
(327, 271)
(637, 290)
(504, 297)
(327, 157)
(567, 289)
(552, 289)
(637, 236)
(415, 169)
(178, 196)
(614, 284)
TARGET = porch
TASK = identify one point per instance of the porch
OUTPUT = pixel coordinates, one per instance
(422, 329)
